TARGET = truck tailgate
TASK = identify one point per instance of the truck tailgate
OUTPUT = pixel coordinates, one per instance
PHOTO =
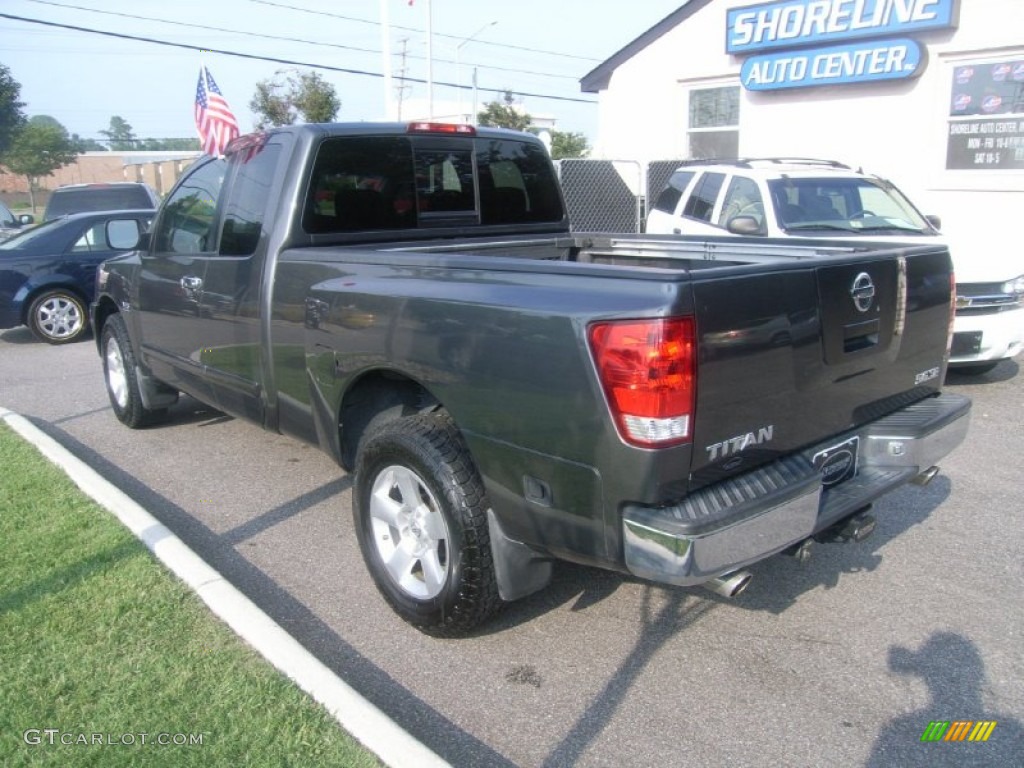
(810, 350)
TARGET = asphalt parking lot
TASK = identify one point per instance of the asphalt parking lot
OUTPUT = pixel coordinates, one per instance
(842, 661)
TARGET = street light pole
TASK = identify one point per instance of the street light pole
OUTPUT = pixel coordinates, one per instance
(458, 66)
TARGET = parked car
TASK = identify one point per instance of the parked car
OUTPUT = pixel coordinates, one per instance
(117, 196)
(786, 197)
(47, 274)
(10, 225)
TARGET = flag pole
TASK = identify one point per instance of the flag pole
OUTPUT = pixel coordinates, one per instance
(430, 62)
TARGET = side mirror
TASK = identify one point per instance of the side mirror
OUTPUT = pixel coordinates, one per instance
(123, 234)
(745, 225)
(934, 220)
(26, 218)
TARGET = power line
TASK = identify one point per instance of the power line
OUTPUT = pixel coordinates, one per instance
(436, 34)
(284, 38)
(292, 62)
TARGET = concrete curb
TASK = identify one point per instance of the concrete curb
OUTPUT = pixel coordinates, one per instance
(371, 727)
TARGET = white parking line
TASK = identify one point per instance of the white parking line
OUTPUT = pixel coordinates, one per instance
(371, 727)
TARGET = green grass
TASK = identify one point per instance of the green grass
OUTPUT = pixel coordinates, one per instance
(100, 642)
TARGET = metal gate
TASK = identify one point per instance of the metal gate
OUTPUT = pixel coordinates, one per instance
(601, 195)
(611, 195)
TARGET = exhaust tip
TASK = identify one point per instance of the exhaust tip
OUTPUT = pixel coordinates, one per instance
(926, 477)
(730, 584)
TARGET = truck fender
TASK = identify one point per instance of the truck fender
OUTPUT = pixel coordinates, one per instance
(519, 569)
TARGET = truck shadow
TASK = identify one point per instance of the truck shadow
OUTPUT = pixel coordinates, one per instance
(666, 611)
(662, 620)
(897, 513)
(585, 587)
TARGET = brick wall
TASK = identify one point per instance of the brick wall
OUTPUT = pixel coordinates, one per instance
(158, 169)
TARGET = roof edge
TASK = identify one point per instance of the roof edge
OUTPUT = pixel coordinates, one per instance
(597, 79)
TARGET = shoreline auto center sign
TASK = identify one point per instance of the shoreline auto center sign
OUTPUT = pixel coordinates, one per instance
(794, 40)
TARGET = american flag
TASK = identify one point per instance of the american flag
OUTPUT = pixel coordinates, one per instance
(214, 120)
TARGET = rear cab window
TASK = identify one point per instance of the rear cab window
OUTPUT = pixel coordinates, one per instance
(401, 182)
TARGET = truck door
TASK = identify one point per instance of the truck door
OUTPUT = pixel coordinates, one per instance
(230, 303)
(172, 277)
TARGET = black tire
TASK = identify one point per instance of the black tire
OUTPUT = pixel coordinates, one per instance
(431, 560)
(58, 317)
(120, 377)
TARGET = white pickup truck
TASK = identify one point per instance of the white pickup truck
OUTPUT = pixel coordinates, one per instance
(794, 197)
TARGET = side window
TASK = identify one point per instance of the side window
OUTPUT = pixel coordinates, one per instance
(93, 239)
(742, 198)
(361, 183)
(702, 200)
(246, 204)
(187, 223)
(669, 197)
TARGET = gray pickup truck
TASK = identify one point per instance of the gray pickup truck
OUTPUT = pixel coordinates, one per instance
(508, 393)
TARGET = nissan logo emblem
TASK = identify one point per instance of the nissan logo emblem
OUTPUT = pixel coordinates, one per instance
(863, 292)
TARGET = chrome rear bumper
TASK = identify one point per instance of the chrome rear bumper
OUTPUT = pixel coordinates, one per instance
(748, 518)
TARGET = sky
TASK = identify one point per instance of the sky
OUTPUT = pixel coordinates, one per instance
(538, 47)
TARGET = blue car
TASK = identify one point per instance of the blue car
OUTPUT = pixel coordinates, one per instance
(47, 274)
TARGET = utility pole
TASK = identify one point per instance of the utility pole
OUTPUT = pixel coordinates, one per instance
(401, 87)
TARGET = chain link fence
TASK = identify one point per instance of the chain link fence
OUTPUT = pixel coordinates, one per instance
(601, 195)
(611, 195)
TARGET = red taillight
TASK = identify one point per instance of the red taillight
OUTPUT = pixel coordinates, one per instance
(648, 370)
(428, 127)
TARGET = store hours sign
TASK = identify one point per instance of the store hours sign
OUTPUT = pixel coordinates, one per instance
(802, 43)
(986, 116)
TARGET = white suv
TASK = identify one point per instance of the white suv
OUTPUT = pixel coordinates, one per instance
(794, 197)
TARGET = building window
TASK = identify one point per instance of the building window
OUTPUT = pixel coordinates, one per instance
(986, 107)
(714, 129)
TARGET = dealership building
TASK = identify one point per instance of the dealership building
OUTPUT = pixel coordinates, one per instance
(928, 93)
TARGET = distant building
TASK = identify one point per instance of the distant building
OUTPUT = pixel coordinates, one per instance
(159, 169)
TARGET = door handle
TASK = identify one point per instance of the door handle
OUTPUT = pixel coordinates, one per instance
(191, 286)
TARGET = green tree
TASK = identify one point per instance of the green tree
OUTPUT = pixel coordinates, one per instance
(119, 134)
(315, 99)
(159, 145)
(11, 116)
(39, 148)
(87, 145)
(565, 145)
(270, 105)
(504, 114)
(283, 99)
